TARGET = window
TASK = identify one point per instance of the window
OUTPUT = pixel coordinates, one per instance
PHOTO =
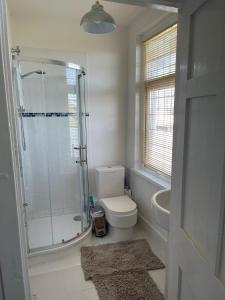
(159, 82)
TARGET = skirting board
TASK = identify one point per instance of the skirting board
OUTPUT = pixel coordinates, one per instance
(156, 237)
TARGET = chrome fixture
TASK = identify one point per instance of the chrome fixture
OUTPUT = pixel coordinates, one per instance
(50, 61)
(40, 72)
(82, 155)
(21, 110)
(15, 51)
(77, 218)
(97, 20)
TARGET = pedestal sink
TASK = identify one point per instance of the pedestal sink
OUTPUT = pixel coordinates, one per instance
(161, 208)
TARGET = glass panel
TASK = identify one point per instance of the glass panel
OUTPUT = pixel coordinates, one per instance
(160, 65)
(63, 137)
(160, 54)
(35, 157)
(17, 90)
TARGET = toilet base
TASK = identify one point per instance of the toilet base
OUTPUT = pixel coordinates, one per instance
(121, 234)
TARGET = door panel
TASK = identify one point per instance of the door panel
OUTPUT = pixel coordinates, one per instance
(196, 243)
(203, 26)
(203, 154)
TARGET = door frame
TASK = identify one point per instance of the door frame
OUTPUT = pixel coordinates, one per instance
(14, 282)
(16, 275)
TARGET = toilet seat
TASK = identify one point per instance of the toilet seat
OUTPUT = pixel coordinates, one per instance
(121, 205)
(121, 211)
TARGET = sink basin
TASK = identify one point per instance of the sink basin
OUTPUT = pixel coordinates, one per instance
(161, 208)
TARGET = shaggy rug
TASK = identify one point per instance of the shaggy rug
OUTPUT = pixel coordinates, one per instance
(123, 256)
(119, 270)
(127, 285)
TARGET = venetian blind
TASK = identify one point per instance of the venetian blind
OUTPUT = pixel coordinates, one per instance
(160, 66)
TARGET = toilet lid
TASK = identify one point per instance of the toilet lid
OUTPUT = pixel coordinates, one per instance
(120, 204)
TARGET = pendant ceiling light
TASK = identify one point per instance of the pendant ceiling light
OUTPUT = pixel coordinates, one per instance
(97, 20)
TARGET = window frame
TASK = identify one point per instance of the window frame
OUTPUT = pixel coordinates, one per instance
(151, 170)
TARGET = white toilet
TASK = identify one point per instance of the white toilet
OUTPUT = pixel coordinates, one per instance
(120, 210)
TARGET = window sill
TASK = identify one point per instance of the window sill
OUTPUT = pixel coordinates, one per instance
(153, 178)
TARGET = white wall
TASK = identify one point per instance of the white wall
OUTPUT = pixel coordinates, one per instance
(146, 25)
(106, 61)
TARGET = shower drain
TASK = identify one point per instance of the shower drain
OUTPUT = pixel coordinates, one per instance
(77, 218)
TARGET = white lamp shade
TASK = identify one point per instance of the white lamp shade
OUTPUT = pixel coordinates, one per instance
(97, 20)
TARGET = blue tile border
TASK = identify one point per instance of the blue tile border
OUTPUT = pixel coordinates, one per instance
(48, 114)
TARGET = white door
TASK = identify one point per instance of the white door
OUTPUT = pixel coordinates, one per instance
(197, 236)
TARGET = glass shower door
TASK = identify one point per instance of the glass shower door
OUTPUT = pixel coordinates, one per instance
(62, 108)
(34, 155)
(53, 150)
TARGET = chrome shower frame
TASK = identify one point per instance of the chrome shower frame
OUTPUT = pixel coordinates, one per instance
(49, 61)
(83, 163)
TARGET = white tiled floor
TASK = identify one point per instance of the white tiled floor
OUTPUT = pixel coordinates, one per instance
(46, 231)
(62, 278)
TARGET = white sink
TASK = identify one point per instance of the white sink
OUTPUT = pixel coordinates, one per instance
(161, 208)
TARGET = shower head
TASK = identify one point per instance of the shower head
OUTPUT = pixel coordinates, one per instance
(40, 72)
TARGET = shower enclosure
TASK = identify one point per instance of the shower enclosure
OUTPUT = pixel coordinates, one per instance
(51, 118)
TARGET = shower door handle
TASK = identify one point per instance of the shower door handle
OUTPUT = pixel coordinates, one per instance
(82, 160)
(85, 154)
(80, 154)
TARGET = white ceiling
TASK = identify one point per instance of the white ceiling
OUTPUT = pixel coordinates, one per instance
(72, 9)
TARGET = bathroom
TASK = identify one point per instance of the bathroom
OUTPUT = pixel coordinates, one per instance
(78, 116)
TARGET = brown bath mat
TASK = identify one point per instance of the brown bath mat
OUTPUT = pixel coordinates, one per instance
(128, 285)
(122, 256)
